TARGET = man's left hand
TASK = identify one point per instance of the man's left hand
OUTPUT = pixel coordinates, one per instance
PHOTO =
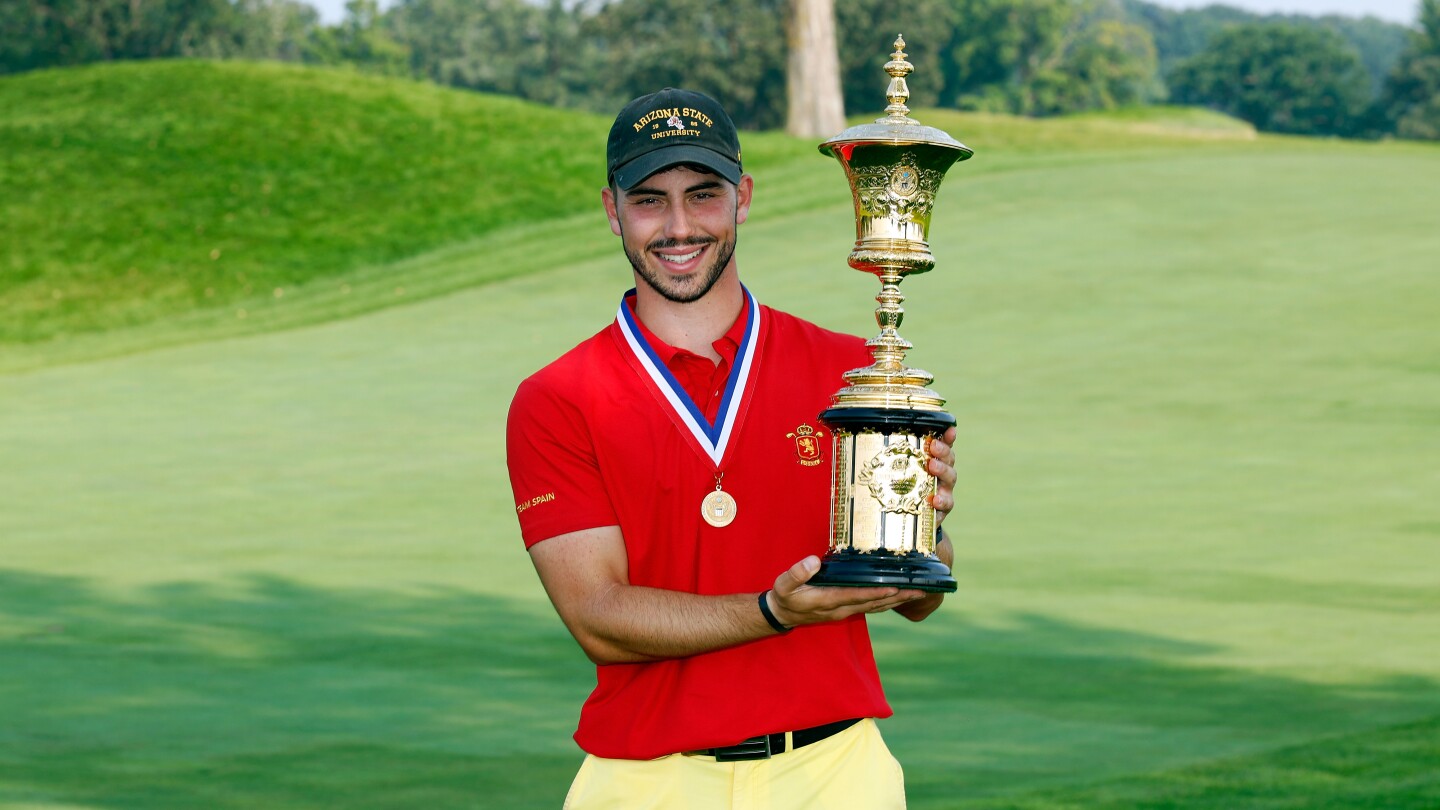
(942, 466)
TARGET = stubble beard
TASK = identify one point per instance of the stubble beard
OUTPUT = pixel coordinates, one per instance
(690, 287)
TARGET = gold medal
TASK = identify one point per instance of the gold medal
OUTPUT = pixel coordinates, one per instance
(718, 508)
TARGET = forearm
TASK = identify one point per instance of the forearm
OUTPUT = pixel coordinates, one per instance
(629, 623)
(584, 573)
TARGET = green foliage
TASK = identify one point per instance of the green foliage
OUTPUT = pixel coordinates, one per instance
(1032, 57)
(1108, 64)
(1048, 57)
(1181, 34)
(1280, 78)
(733, 51)
(599, 57)
(134, 191)
(499, 46)
(360, 41)
(1018, 61)
(1410, 103)
(928, 26)
(1029, 56)
(39, 34)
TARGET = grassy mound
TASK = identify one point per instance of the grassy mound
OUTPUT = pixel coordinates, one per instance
(130, 193)
(134, 191)
(1192, 121)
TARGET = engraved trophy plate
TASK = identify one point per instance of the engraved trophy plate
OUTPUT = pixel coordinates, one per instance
(882, 526)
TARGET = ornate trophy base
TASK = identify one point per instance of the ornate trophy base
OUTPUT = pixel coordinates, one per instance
(883, 527)
(914, 570)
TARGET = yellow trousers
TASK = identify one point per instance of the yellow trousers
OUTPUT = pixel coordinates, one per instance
(853, 769)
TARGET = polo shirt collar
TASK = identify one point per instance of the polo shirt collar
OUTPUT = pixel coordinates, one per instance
(726, 346)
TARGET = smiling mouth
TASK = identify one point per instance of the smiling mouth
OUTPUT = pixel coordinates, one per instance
(682, 258)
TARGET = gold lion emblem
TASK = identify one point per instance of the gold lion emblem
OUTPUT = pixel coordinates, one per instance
(897, 479)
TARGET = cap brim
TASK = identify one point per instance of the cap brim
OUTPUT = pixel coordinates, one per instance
(630, 174)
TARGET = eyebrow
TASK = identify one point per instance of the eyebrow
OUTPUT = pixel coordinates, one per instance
(645, 191)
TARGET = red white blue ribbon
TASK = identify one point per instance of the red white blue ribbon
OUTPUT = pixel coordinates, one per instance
(711, 438)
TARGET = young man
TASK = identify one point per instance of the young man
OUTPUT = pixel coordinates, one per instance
(675, 518)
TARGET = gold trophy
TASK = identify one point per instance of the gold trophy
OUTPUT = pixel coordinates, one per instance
(882, 526)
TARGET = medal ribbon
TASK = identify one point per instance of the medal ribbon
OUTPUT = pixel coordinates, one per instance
(712, 439)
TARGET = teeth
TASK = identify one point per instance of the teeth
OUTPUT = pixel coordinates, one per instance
(681, 259)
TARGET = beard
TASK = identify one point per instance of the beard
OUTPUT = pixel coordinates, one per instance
(691, 286)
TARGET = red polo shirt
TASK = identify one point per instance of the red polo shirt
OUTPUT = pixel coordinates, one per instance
(593, 440)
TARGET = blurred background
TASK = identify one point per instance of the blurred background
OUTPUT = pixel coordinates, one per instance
(270, 274)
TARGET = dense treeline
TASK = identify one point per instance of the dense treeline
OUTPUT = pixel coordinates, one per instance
(1329, 75)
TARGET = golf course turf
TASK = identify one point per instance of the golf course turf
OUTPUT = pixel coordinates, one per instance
(271, 560)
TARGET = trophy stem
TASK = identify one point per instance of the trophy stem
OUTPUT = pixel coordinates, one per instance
(889, 348)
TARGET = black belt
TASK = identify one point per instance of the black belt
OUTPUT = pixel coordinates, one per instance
(768, 745)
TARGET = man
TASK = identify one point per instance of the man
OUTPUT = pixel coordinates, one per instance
(674, 520)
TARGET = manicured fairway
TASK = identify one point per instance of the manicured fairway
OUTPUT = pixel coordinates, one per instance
(1199, 521)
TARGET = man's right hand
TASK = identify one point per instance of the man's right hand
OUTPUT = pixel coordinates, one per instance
(795, 602)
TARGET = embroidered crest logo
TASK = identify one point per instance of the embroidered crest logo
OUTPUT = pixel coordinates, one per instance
(675, 122)
(807, 444)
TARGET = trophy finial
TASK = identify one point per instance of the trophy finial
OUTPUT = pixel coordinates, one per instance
(898, 92)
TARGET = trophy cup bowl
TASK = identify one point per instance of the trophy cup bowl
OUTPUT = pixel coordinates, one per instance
(882, 525)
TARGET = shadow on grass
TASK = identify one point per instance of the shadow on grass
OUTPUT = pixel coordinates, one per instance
(273, 693)
(1037, 702)
(277, 694)
(1394, 768)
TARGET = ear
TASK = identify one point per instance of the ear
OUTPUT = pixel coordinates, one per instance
(607, 196)
(742, 198)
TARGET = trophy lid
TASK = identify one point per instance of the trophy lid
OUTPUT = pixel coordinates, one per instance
(897, 128)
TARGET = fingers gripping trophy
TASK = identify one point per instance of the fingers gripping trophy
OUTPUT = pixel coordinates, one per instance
(882, 525)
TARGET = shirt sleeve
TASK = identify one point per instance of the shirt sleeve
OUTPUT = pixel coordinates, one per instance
(554, 473)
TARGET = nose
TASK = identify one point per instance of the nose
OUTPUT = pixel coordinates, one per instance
(679, 225)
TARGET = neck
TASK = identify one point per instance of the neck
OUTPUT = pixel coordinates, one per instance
(697, 325)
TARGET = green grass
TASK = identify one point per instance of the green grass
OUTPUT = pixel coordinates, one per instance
(1192, 121)
(272, 561)
(133, 193)
(1388, 768)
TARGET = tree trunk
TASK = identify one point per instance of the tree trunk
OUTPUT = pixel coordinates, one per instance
(816, 108)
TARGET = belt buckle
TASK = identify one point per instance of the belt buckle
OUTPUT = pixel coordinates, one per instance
(753, 748)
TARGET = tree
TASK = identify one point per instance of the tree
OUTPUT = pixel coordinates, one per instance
(1409, 104)
(734, 52)
(1046, 57)
(500, 46)
(1281, 78)
(276, 29)
(52, 33)
(815, 107)
(928, 27)
(71, 32)
(360, 40)
(1112, 63)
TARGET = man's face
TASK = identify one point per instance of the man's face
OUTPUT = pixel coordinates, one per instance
(678, 228)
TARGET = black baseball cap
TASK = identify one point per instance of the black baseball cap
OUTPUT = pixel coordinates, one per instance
(667, 129)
